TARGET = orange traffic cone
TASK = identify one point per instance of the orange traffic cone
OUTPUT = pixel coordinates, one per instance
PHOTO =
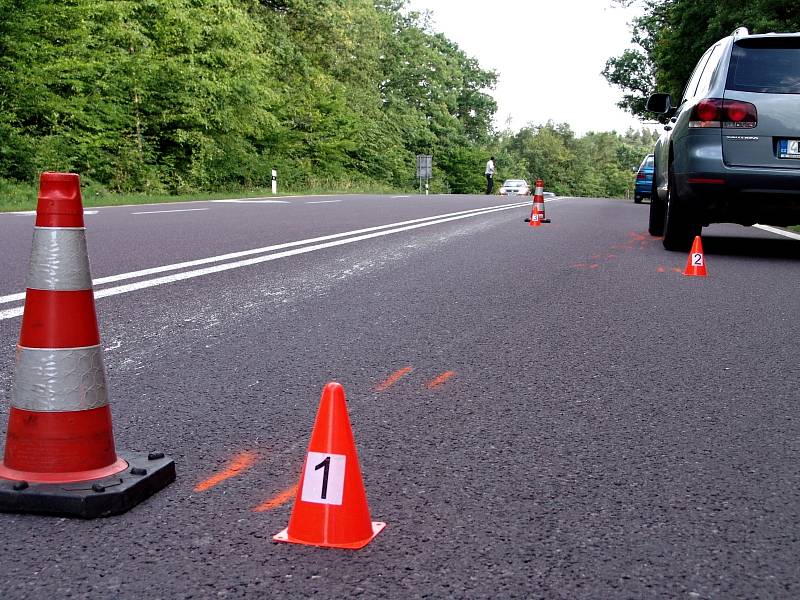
(696, 263)
(59, 425)
(538, 200)
(331, 505)
(536, 217)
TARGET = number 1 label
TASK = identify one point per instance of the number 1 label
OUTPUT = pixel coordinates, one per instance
(323, 481)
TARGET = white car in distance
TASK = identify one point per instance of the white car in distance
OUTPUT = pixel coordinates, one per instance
(515, 187)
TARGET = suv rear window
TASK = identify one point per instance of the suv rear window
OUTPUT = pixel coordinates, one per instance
(767, 65)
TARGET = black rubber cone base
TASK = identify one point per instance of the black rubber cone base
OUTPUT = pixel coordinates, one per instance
(146, 474)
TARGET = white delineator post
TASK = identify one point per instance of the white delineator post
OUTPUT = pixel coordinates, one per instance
(274, 181)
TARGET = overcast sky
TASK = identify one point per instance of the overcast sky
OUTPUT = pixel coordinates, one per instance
(548, 55)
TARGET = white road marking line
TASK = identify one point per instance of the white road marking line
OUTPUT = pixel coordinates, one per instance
(12, 298)
(777, 231)
(317, 195)
(401, 196)
(251, 201)
(379, 231)
(158, 212)
(209, 200)
(322, 201)
(240, 254)
(28, 213)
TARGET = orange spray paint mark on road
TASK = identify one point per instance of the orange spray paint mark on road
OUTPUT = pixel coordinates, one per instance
(676, 270)
(661, 270)
(638, 237)
(392, 379)
(277, 500)
(241, 462)
(440, 379)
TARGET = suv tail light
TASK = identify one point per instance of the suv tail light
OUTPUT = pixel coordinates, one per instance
(716, 112)
(739, 115)
(640, 175)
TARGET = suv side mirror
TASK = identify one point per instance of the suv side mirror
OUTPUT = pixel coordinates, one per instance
(659, 103)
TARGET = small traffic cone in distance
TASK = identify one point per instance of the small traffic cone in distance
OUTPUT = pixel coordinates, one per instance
(535, 220)
(538, 200)
(696, 262)
(330, 508)
(59, 455)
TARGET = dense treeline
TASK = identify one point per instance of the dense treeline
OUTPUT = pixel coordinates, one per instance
(596, 165)
(197, 95)
(672, 35)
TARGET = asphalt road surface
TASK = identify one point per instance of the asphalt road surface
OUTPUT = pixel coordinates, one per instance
(552, 412)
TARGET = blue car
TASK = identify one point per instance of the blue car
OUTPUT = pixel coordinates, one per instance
(643, 187)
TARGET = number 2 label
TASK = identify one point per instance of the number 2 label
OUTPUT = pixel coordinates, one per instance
(697, 259)
(323, 481)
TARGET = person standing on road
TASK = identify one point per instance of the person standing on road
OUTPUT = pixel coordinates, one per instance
(490, 176)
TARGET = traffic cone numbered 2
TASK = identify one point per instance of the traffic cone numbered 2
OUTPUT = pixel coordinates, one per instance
(59, 424)
(696, 262)
(331, 505)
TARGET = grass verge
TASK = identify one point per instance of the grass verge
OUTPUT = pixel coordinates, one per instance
(21, 197)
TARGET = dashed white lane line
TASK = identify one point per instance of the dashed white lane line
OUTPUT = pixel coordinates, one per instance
(309, 245)
(232, 255)
(28, 213)
(159, 212)
(251, 201)
(401, 196)
(323, 201)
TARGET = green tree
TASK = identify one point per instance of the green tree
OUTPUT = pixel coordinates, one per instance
(594, 165)
(672, 35)
(190, 95)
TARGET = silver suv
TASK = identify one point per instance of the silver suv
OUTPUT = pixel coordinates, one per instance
(731, 149)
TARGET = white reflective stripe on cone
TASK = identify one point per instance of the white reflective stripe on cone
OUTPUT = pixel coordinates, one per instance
(59, 260)
(59, 380)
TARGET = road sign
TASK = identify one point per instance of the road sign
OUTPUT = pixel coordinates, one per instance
(424, 170)
(424, 166)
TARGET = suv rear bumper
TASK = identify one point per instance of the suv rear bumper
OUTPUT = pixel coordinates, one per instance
(717, 193)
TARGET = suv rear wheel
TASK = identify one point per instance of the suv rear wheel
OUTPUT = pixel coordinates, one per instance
(680, 227)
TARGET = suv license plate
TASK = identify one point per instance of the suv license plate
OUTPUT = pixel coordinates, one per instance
(789, 149)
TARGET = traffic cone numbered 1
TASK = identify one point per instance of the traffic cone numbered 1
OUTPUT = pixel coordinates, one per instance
(696, 262)
(331, 505)
(59, 455)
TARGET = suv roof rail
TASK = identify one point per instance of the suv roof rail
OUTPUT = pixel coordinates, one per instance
(740, 32)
